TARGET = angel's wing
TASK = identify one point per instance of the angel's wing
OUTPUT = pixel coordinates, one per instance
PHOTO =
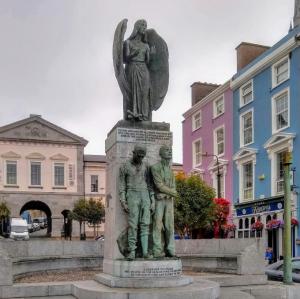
(119, 63)
(158, 68)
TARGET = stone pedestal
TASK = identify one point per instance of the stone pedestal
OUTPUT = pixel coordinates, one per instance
(119, 146)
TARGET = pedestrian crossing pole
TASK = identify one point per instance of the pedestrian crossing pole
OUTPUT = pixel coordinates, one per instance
(287, 257)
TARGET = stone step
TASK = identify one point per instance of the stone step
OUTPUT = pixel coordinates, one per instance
(230, 293)
(202, 289)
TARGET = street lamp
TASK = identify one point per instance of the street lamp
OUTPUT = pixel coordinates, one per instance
(206, 154)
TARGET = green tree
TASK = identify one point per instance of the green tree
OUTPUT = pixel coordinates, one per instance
(194, 207)
(79, 212)
(95, 213)
(4, 214)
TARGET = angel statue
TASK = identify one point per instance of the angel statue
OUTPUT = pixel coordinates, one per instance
(145, 78)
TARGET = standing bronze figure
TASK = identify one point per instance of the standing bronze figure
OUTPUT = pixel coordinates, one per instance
(137, 200)
(165, 191)
(144, 80)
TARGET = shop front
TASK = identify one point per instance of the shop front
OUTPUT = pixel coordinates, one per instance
(264, 219)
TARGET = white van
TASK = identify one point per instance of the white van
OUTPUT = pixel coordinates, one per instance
(18, 229)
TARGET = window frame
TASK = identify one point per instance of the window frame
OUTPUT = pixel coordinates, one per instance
(273, 105)
(215, 115)
(215, 181)
(194, 153)
(242, 104)
(275, 67)
(242, 136)
(30, 173)
(15, 162)
(54, 182)
(242, 183)
(94, 175)
(216, 141)
(194, 127)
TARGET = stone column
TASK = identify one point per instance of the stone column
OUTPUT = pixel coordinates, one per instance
(119, 145)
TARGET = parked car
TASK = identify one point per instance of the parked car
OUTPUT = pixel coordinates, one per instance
(36, 226)
(18, 229)
(275, 271)
(41, 221)
(30, 227)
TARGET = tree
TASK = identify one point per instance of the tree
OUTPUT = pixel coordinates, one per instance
(194, 207)
(4, 214)
(95, 213)
(79, 212)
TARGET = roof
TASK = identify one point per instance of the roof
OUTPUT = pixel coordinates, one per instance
(75, 139)
(95, 158)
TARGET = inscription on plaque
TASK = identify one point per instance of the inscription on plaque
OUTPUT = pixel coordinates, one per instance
(138, 136)
(155, 272)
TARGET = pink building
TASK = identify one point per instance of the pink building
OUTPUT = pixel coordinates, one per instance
(207, 128)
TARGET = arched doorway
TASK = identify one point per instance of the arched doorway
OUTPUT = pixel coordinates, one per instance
(36, 205)
(67, 230)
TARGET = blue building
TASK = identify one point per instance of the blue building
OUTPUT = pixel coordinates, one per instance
(266, 122)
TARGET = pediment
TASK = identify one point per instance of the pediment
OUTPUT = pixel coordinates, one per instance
(10, 155)
(38, 129)
(59, 157)
(279, 139)
(214, 163)
(35, 156)
(244, 153)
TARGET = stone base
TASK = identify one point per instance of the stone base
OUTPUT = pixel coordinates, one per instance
(138, 283)
(167, 268)
(202, 289)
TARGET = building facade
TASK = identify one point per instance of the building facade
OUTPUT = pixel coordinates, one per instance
(207, 137)
(41, 168)
(266, 95)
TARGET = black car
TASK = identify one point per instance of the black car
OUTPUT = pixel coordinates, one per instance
(275, 271)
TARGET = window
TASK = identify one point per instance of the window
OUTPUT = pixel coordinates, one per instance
(35, 173)
(219, 141)
(197, 152)
(11, 172)
(246, 128)
(219, 106)
(280, 71)
(247, 183)
(59, 174)
(94, 183)
(197, 121)
(279, 172)
(246, 93)
(280, 111)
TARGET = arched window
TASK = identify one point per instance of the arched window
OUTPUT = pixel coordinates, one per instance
(252, 220)
(246, 223)
(241, 224)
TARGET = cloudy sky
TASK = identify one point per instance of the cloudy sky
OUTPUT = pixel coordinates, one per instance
(56, 55)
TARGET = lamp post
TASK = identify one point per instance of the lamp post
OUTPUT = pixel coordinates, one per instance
(206, 154)
(287, 258)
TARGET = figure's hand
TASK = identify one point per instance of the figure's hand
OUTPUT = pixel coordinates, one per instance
(152, 207)
(125, 206)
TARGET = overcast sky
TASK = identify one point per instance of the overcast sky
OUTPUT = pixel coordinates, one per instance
(56, 55)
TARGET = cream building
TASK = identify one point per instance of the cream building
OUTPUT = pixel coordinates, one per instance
(41, 168)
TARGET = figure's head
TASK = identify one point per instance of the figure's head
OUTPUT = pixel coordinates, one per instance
(165, 152)
(140, 27)
(139, 152)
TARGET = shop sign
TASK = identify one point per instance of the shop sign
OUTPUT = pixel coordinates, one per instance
(260, 208)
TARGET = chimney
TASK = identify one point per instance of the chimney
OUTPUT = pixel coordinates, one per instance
(297, 13)
(246, 52)
(200, 90)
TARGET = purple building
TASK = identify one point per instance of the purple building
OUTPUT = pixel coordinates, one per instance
(207, 128)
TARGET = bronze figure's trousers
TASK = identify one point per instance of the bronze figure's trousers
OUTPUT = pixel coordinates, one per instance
(163, 221)
(139, 214)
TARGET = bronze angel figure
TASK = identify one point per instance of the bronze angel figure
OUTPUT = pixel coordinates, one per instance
(145, 78)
